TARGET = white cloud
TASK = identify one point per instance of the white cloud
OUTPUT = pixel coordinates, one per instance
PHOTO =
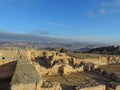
(110, 7)
(56, 24)
(91, 14)
(102, 11)
(42, 32)
(114, 10)
(113, 3)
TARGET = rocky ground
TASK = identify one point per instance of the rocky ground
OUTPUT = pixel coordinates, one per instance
(80, 79)
(113, 68)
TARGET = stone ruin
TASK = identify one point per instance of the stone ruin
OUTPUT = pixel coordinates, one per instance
(56, 63)
(27, 78)
(28, 67)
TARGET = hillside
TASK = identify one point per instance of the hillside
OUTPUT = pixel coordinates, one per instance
(112, 50)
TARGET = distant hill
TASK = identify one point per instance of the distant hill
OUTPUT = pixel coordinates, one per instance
(28, 37)
(106, 50)
(8, 39)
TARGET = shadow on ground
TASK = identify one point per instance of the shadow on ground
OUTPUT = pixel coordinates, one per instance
(42, 62)
(6, 73)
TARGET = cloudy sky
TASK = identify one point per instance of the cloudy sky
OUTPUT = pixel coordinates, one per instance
(84, 20)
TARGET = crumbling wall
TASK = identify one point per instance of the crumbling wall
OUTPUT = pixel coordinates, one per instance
(113, 59)
(7, 53)
(26, 77)
(69, 69)
(31, 54)
(10, 54)
(16, 53)
(98, 61)
(55, 70)
(90, 67)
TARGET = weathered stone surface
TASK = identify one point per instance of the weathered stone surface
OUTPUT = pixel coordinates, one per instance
(50, 86)
(25, 76)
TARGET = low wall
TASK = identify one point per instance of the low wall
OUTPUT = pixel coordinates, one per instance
(15, 53)
(68, 69)
(101, 60)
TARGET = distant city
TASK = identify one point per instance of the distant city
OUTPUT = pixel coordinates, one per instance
(74, 46)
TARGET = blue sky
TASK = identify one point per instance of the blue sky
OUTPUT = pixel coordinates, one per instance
(83, 20)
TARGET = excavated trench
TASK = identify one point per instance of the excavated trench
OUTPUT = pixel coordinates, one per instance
(5, 84)
(7, 69)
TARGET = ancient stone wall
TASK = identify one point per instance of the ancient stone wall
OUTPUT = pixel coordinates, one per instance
(68, 69)
(102, 60)
(12, 54)
(31, 54)
(114, 59)
(26, 77)
(9, 54)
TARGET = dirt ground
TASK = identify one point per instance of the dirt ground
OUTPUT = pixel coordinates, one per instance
(75, 79)
(112, 68)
